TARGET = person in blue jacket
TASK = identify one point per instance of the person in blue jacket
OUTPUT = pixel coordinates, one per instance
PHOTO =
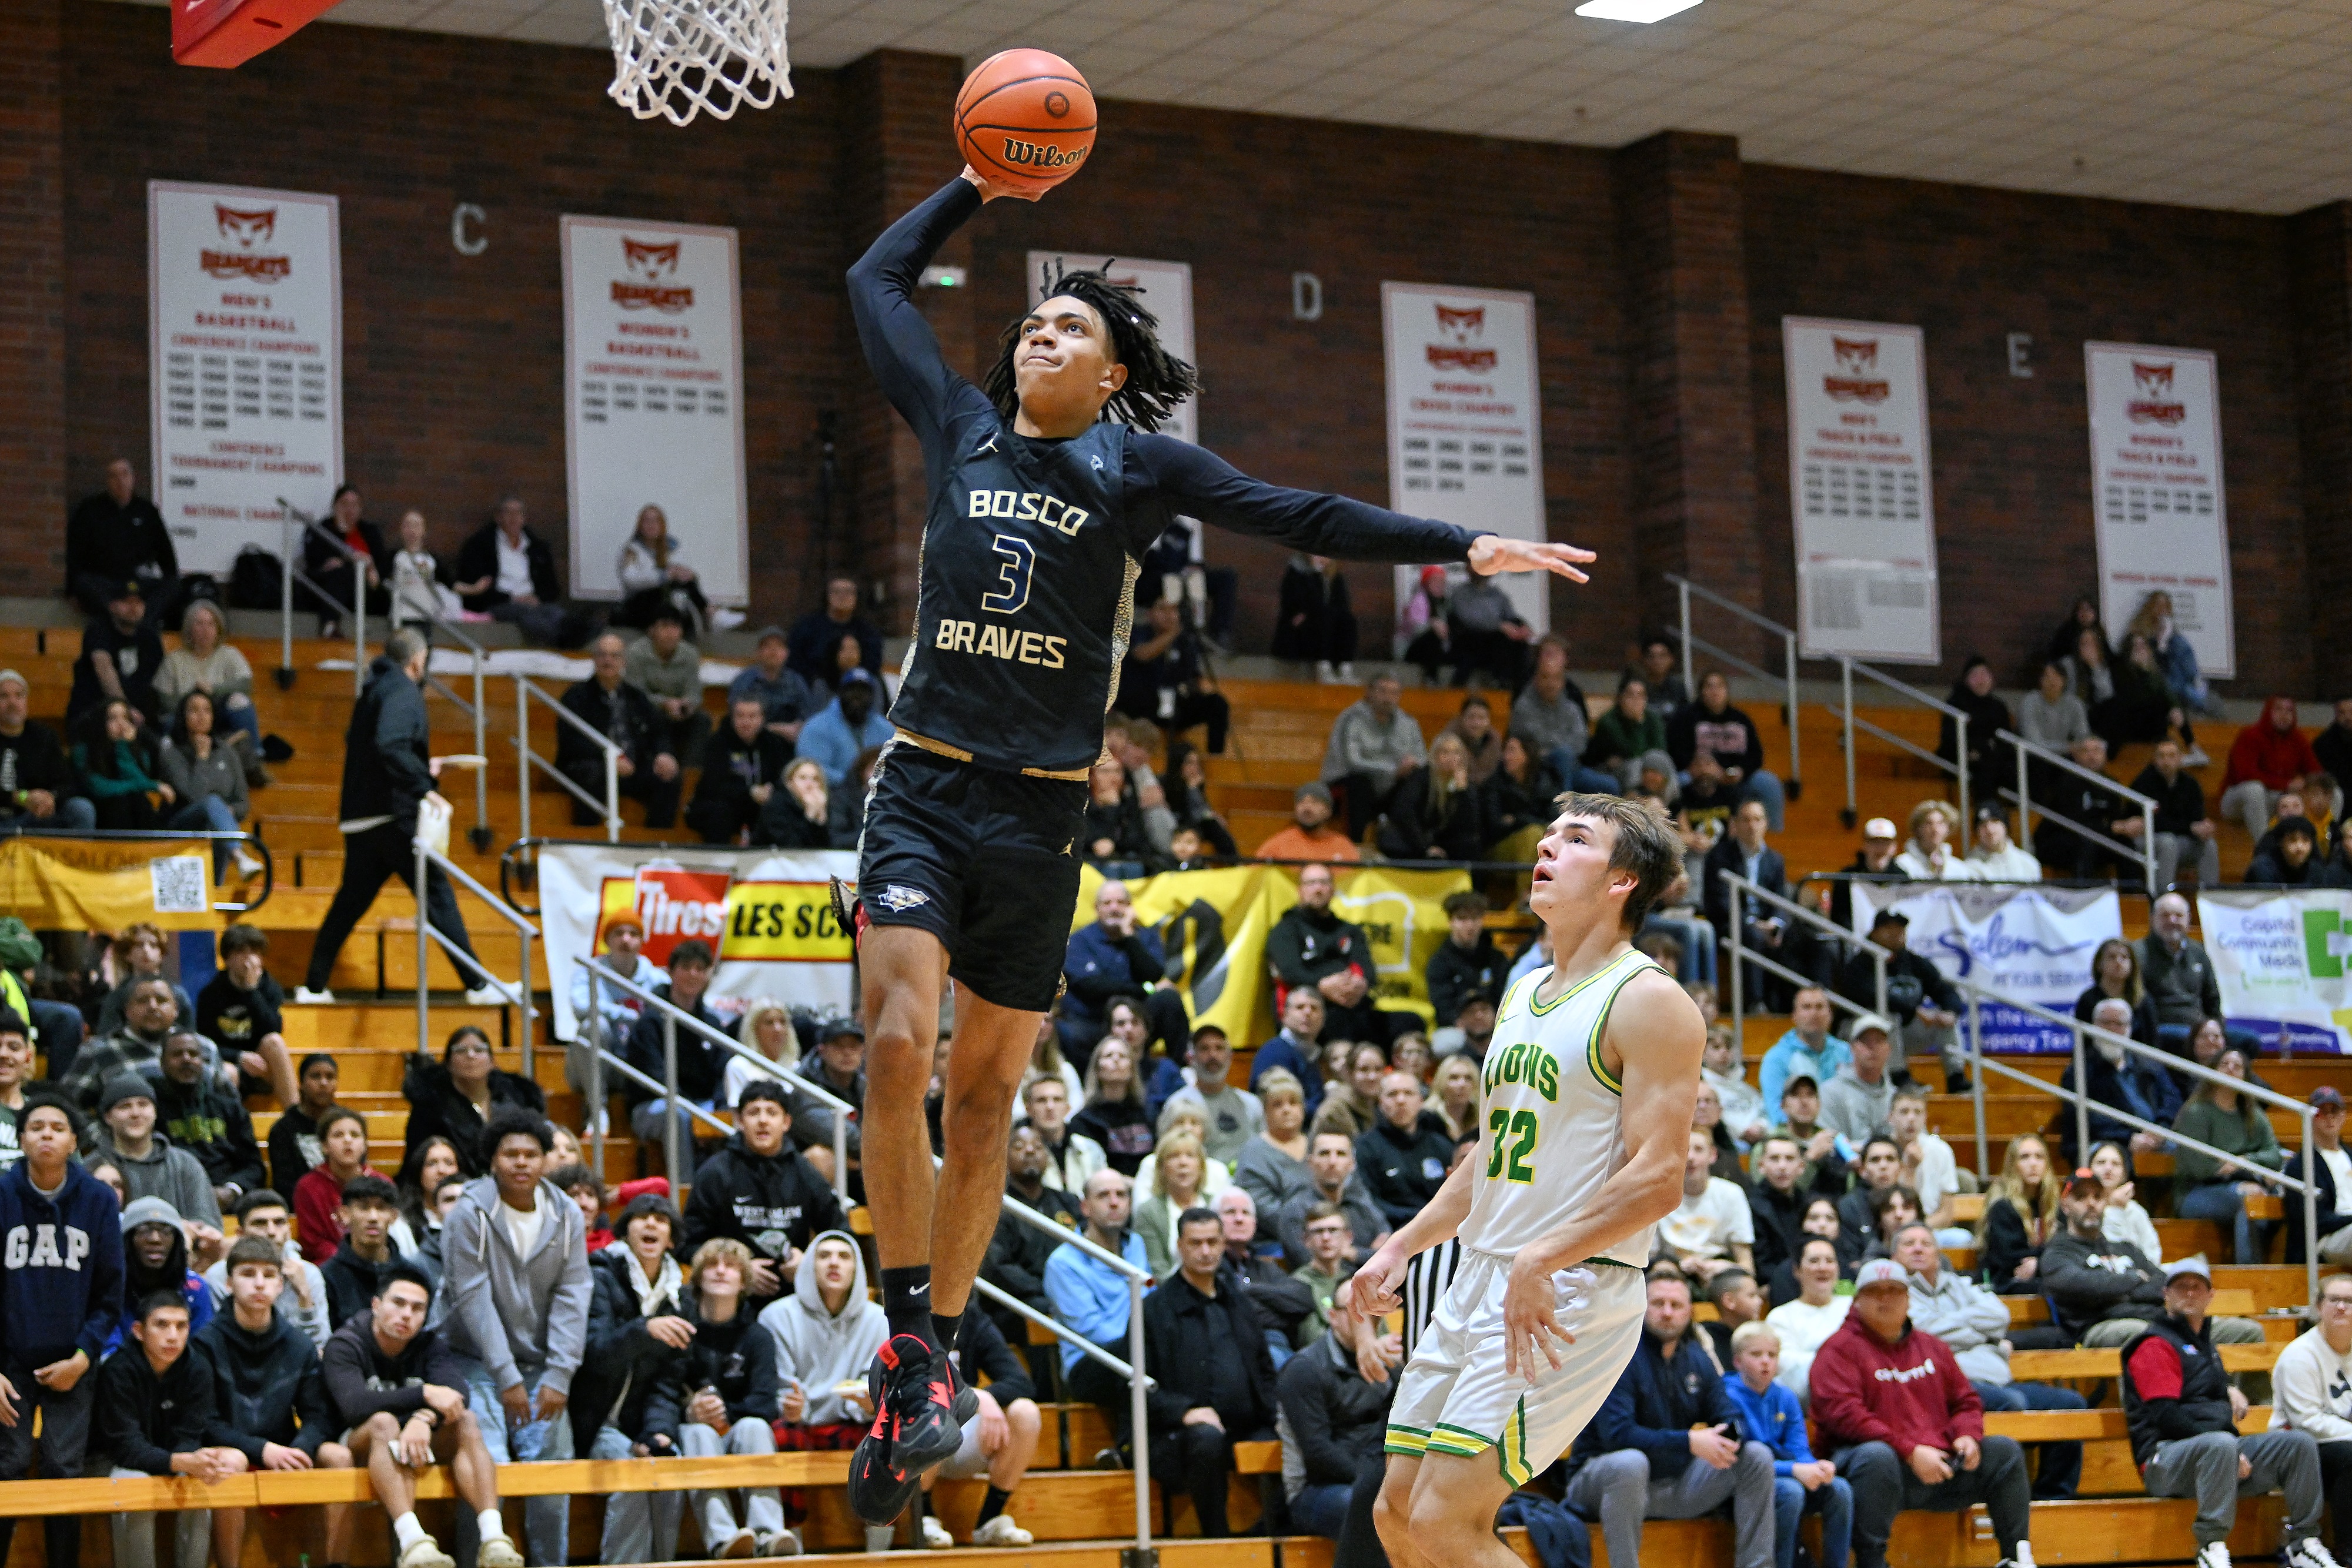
(1668, 1442)
(61, 1295)
(1768, 1413)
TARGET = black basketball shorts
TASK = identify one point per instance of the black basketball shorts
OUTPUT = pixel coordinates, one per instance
(985, 860)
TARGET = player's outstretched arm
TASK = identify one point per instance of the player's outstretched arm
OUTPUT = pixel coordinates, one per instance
(899, 344)
(1372, 1291)
(1203, 485)
(1656, 1036)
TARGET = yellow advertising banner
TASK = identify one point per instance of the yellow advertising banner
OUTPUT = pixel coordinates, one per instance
(1213, 924)
(105, 884)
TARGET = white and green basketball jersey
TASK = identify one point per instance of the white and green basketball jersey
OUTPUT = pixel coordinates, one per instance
(1552, 1130)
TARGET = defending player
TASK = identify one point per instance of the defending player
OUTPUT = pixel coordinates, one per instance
(1040, 509)
(1590, 1083)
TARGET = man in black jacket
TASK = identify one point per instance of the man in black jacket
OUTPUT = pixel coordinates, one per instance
(37, 782)
(818, 633)
(355, 1273)
(389, 772)
(2183, 826)
(1764, 927)
(645, 770)
(507, 569)
(1778, 1201)
(155, 1409)
(115, 537)
(268, 1394)
(1404, 1159)
(1015, 1264)
(198, 1113)
(1924, 1006)
(1311, 945)
(121, 653)
(1332, 1421)
(2097, 807)
(1467, 961)
(701, 1062)
(757, 1189)
(1205, 1347)
(741, 767)
(2103, 1292)
(2182, 1412)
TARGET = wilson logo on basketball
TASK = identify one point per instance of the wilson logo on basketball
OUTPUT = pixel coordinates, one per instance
(1037, 155)
(1461, 327)
(1857, 360)
(651, 266)
(246, 231)
(2156, 403)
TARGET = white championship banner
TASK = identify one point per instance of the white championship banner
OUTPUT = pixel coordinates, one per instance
(1466, 422)
(768, 914)
(1861, 491)
(245, 313)
(653, 393)
(2030, 943)
(2280, 959)
(2163, 517)
(1167, 288)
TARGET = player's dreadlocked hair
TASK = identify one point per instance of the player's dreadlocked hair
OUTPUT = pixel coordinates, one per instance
(1157, 381)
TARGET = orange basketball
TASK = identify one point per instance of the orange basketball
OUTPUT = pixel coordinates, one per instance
(1025, 118)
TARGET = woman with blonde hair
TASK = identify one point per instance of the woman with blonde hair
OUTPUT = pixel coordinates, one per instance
(1272, 1167)
(2020, 1213)
(1437, 813)
(1046, 1060)
(767, 1028)
(1352, 1105)
(1935, 853)
(654, 576)
(1456, 1096)
(1177, 1180)
(1111, 1110)
(2176, 658)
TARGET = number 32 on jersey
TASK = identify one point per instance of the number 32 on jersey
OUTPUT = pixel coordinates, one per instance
(1512, 1158)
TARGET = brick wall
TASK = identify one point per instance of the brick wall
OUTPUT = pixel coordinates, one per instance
(2013, 530)
(1661, 273)
(33, 307)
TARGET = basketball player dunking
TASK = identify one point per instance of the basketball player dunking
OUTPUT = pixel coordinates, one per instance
(1590, 1086)
(1046, 489)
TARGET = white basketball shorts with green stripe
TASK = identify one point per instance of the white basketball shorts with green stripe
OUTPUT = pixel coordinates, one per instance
(1455, 1399)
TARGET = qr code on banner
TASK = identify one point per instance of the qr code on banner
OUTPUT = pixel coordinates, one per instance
(178, 884)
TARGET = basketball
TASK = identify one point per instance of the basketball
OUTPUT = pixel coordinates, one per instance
(1027, 118)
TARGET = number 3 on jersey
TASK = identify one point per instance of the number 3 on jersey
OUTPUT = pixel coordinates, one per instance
(1515, 1137)
(1016, 561)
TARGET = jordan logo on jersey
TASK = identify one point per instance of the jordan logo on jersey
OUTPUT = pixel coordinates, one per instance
(1525, 1062)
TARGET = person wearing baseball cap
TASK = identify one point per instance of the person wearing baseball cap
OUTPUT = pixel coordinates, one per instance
(2181, 1413)
(1310, 835)
(624, 938)
(122, 653)
(1874, 861)
(1860, 1096)
(1997, 857)
(2335, 1172)
(1905, 1427)
(1923, 1006)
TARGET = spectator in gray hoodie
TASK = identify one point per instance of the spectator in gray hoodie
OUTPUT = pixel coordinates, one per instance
(1373, 745)
(826, 1333)
(151, 1166)
(514, 1254)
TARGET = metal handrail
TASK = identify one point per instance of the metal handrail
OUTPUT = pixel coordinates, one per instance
(2079, 1096)
(2144, 852)
(288, 527)
(1685, 588)
(1956, 766)
(518, 995)
(525, 690)
(19, 828)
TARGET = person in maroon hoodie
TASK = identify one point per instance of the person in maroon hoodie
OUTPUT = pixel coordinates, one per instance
(1896, 1414)
(2267, 755)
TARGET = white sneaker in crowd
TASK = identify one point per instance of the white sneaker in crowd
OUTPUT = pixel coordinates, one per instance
(1001, 1531)
(935, 1535)
(485, 997)
(782, 1543)
(305, 996)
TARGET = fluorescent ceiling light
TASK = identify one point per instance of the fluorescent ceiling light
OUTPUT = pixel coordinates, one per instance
(1634, 10)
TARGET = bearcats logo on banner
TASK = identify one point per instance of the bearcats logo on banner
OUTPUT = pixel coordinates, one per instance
(2280, 961)
(2032, 943)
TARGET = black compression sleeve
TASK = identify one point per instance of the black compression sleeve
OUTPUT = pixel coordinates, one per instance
(899, 342)
(1200, 484)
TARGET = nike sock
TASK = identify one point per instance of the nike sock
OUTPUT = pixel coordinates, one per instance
(906, 1300)
(945, 1327)
(405, 1532)
(993, 1506)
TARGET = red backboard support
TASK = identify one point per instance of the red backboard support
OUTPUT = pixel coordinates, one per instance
(227, 33)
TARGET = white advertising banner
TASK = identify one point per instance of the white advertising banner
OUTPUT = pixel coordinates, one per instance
(2280, 960)
(2030, 943)
(245, 314)
(1861, 491)
(1167, 288)
(2156, 490)
(767, 914)
(1465, 421)
(653, 391)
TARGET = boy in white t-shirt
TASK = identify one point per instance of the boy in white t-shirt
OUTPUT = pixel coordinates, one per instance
(1713, 1229)
(1928, 1167)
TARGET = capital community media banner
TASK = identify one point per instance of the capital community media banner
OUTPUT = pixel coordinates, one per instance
(2280, 959)
(1167, 290)
(1466, 422)
(245, 319)
(2163, 514)
(1861, 491)
(769, 917)
(653, 390)
(2024, 943)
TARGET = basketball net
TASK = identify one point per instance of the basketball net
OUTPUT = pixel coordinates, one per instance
(673, 60)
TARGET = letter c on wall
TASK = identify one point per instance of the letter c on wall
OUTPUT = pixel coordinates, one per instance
(466, 219)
